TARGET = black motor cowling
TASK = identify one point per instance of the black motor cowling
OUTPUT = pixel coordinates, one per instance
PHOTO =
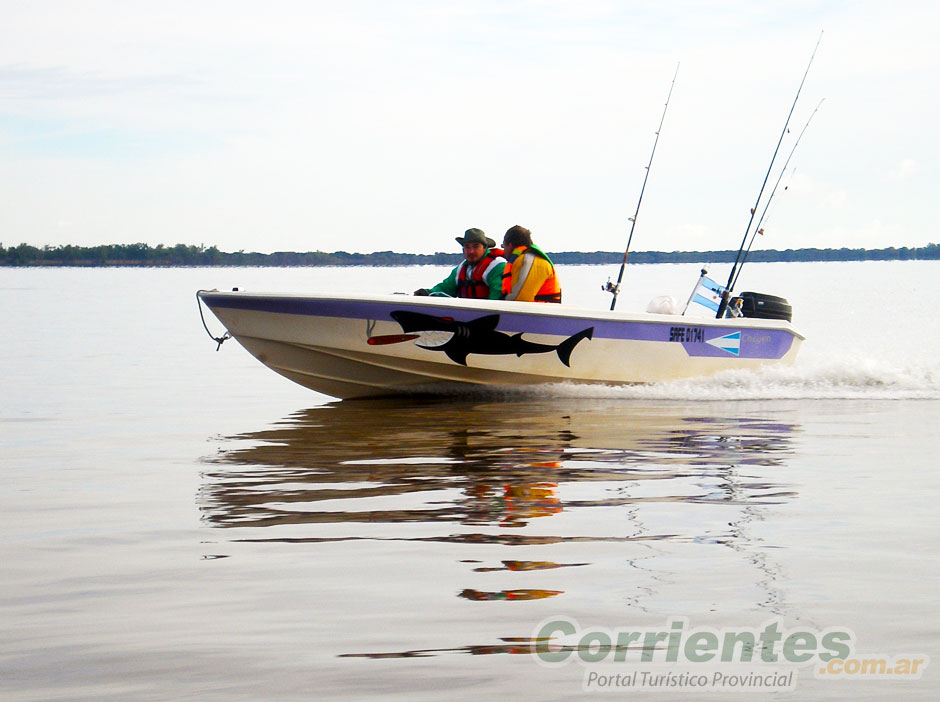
(761, 306)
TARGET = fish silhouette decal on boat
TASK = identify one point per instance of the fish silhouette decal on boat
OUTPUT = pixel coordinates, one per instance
(457, 340)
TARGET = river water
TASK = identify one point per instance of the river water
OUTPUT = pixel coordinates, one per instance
(184, 524)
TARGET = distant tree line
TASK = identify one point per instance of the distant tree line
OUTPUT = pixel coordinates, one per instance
(189, 255)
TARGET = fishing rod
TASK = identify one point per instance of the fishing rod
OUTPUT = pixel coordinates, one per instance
(615, 288)
(757, 228)
(726, 295)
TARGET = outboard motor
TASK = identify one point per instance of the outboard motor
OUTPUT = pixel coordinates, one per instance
(761, 306)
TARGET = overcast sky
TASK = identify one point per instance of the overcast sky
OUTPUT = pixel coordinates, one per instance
(368, 125)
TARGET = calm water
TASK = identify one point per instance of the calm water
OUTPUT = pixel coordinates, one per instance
(184, 524)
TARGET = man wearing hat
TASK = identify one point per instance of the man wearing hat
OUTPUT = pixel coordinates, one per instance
(479, 275)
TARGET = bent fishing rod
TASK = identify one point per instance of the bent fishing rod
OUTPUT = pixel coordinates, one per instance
(726, 295)
(757, 227)
(615, 288)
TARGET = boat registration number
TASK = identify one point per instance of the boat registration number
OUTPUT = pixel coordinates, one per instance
(687, 334)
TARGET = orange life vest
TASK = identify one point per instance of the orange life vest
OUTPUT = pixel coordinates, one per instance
(475, 285)
(550, 290)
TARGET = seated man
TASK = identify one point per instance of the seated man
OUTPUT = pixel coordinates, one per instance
(529, 274)
(479, 275)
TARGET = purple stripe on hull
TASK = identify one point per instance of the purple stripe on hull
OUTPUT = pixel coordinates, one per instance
(696, 340)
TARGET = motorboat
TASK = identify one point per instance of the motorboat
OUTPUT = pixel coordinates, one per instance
(363, 345)
(372, 345)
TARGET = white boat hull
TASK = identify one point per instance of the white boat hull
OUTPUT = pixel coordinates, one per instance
(372, 345)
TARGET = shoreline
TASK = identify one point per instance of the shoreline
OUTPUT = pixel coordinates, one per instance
(181, 255)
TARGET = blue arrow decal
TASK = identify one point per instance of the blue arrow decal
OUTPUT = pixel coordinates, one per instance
(729, 342)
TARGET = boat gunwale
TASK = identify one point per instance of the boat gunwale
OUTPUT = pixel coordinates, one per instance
(534, 309)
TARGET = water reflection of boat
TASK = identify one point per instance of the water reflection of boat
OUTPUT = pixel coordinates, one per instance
(483, 463)
(536, 503)
(372, 345)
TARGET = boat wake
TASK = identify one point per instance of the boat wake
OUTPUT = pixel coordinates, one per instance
(863, 379)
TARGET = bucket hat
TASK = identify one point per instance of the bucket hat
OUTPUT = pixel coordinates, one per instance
(475, 236)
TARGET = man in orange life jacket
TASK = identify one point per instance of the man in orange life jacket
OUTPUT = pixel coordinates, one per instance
(479, 275)
(529, 274)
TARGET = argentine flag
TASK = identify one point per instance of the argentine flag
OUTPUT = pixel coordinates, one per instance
(708, 293)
